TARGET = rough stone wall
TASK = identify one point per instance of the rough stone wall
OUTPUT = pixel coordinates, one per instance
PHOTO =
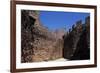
(71, 40)
(26, 37)
(77, 41)
(37, 43)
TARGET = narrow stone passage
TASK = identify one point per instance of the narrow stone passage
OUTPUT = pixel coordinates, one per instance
(40, 44)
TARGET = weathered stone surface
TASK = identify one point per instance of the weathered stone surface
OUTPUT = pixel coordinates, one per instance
(38, 43)
(77, 41)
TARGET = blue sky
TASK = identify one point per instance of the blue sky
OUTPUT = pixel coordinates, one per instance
(57, 20)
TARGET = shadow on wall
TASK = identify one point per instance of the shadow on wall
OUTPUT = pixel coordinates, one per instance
(82, 51)
(77, 42)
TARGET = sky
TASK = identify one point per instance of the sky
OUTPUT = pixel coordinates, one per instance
(58, 20)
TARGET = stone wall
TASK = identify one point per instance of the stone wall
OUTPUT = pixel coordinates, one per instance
(77, 41)
(37, 42)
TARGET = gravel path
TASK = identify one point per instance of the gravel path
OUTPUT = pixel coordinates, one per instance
(60, 60)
